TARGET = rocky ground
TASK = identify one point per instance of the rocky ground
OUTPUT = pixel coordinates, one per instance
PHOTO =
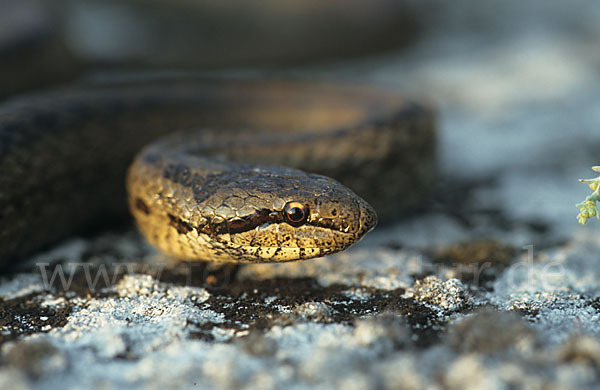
(495, 287)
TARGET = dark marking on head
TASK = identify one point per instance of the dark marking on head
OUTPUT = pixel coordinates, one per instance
(143, 207)
(260, 217)
(340, 225)
(213, 229)
(181, 174)
(152, 158)
(181, 226)
(240, 225)
(177, 173)
(237, 225)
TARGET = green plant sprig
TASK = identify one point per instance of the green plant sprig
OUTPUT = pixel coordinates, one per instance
(588, 208)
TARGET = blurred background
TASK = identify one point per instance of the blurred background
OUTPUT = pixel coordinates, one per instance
(515, 83)
(62, 39)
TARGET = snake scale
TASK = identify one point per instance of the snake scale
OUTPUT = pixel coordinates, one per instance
(228, 183)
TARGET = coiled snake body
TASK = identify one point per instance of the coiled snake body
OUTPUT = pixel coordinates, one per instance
(216, 191)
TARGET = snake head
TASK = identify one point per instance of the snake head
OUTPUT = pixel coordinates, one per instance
(286, 215)
(246, 213)
(332, 218)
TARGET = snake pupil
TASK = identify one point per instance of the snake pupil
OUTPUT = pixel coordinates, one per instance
(296, 213)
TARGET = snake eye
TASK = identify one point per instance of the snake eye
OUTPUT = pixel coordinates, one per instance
(295, 213)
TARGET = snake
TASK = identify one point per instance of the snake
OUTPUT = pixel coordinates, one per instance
(219, 170)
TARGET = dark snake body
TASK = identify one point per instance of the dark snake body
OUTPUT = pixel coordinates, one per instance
(64, 154)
